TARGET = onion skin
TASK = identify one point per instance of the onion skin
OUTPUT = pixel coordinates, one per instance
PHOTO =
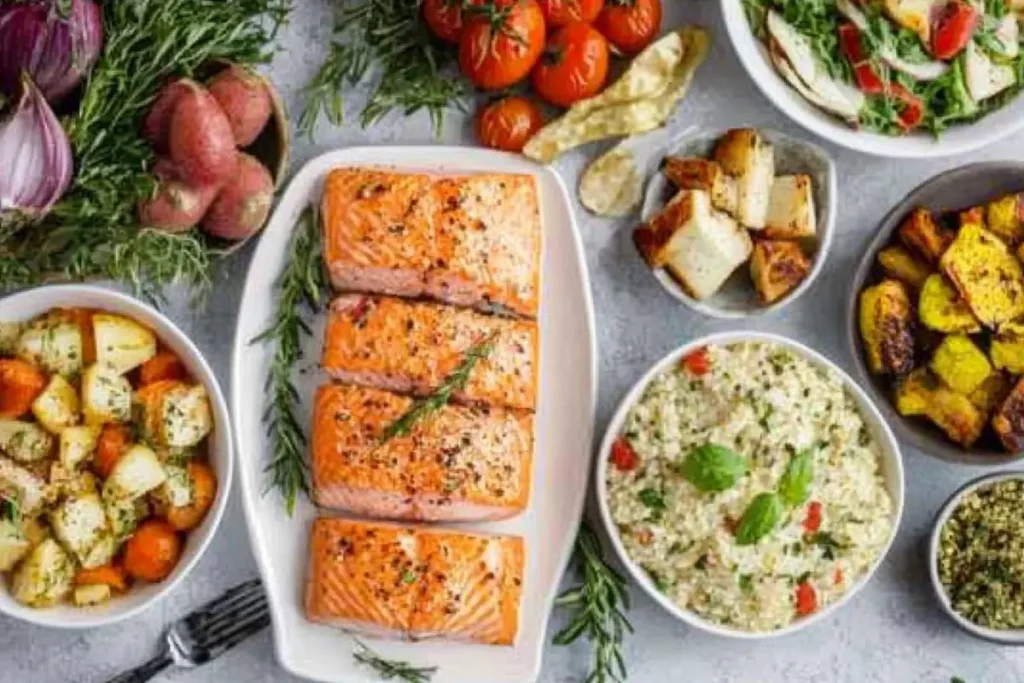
(56, 51)
(36, 165)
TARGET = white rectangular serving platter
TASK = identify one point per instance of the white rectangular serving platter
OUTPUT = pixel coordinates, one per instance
(564, 429)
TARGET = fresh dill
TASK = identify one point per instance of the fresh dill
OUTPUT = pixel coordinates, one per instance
(391, 670)
(302, 289)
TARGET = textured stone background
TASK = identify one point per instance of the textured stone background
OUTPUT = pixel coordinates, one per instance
(891, 632)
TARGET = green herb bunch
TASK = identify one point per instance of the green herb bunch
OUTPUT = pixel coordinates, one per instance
(392, 670)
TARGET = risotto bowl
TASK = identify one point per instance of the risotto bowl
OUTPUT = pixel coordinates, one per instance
(749, 486)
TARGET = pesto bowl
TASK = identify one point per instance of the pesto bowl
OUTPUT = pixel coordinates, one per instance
(1000, 636)
(889, 471)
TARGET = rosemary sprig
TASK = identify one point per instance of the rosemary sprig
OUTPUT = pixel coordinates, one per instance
(440, 398)
(598, 606)
(417, 71)
(302, 288)
(390, 670)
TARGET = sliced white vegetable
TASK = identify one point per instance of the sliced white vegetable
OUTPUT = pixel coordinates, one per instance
(122, 343)
(137, 472)
(984, 77)
(14, 545)
(44, 578)
(57, 407)
(24, 441)
(1008, 34)
(922, 71)
(106, 395)
(839, 98)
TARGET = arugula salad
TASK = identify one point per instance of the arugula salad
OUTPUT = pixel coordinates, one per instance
(895, 66)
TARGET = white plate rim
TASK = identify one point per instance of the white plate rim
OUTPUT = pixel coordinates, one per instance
(615, 427)
(481, 160)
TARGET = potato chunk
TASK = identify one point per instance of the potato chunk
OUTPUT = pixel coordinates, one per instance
(93, 594)
(986, 274)
(106, 395)
(53, 343)
(1008, 421)
(137, 472)
(887, 328)
(24, 441)
(960, 364)
(80, 524)
(44, 578)
(9, 333)
(920, 233)
(776, 268)
(77, 445)
(57, 407)
(900, 264)
(13, 545)
(122, 343)
(23, 486)
(941, 308)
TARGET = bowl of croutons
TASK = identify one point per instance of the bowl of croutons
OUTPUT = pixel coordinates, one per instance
(739, 222)
(115, 456)
(936, 322)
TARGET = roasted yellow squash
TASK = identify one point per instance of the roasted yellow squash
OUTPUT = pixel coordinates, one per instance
(960, 364)
(898, 263)
(887, 328)
(987, 275)
(940, 308)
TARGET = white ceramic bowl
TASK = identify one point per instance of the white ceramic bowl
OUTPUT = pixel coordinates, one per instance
(959, 139)
(34, 302)
(737, 298)
(892, 473)
(1003, 637)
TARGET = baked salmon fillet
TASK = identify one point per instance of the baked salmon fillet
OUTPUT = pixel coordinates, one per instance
(468, 240)
(411, 582)
(457, 463)
(412, 347)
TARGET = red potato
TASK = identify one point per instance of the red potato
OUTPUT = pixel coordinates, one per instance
(201, 143)
(244, 201)
(243, 96)
(157, 125)
(174, 206)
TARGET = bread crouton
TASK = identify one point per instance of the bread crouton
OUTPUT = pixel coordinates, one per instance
(776, 268)
(960, 364)
(920, 394)
(991, 392)
(1005, 217)
(698, 246)
(987, 275)
(791, 213)
(1008, 422)
(746, 156)
(703, 174)
(941, 308)
(900, 264)
(920, 233)
(887, 328)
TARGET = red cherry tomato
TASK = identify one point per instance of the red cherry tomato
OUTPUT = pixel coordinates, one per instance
(953, 28)
(501, 41)
(630, 25)
(867, 80)
(806, 599)
(574, 65)
(697, 363)
(508, 123)
(813, 520)
(561, 12)
(444, 17)
(624, 457)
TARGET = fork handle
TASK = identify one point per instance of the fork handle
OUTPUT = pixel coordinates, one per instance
(144, 672)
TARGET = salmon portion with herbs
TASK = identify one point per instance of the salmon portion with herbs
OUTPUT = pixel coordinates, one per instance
(412, 347)
(456, 463)
(466, 240)
(414, 582)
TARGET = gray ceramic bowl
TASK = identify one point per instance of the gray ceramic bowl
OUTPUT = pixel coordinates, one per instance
(953, 190)
(1004, 637)
(737, 297)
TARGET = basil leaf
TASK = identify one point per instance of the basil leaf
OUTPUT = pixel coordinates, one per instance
(795, 484)
(713, 468)
(652, 498)
(761, 516)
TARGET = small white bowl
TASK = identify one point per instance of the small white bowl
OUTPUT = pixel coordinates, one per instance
(892, 473)
(33, 302)
(737, 298)
(1003, 637)
(959, 139)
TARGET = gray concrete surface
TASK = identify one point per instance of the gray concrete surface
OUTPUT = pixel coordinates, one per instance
(891, 632)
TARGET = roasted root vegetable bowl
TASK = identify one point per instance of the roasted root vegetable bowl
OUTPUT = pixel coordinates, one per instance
(942, 322)
(104, 464)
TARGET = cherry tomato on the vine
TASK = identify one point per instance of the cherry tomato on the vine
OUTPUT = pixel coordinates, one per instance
(508, 123)
(562, 12)
(574, 65)
(501, 41)
(630, 25)
(444, 17)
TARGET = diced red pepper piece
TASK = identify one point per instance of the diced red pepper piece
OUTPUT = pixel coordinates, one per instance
(623, 455)
(813, 520)
(867, 80)
(806, 599)
(698, 362)
(838, 576)
(953, 28)
(913, 110)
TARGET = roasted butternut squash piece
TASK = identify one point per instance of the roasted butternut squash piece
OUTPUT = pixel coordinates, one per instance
(913, 393)
(987, 275)
(887, 328)
(920, 233)
(920, 394)
(941, 308)
(898, 263)
(960, 364)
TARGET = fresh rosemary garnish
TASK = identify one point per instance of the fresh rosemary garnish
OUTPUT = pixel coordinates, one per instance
(93, 231)
(390, 670)
(417, 71)
(302, 289)
(440, 398)
(598, 605)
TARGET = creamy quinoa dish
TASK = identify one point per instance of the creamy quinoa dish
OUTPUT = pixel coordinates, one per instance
(748, 487)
